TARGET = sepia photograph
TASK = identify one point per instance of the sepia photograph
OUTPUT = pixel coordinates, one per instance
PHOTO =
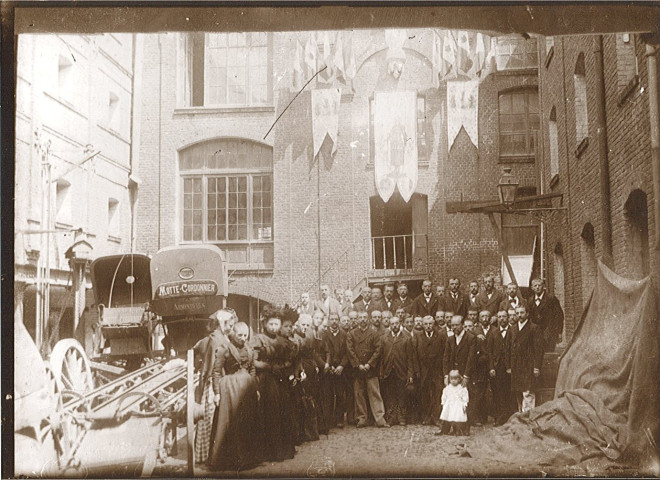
(302, 241)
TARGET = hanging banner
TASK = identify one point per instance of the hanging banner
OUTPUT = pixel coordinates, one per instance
(325, 117)
(462, 110)
(395, 140)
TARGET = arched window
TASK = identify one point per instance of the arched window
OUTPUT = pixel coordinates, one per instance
(580, 89)
(637, 217)
(227, 192)
(554, 143)
(588, 260)
(519, 124)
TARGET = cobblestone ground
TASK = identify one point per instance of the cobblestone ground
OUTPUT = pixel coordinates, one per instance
(412, 451)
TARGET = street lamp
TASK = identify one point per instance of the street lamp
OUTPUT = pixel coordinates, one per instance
(507, 188)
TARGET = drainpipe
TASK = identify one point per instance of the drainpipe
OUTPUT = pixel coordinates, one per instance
(603, 150)
(652, 67)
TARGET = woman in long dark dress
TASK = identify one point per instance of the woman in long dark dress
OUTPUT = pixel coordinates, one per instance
(235, 424)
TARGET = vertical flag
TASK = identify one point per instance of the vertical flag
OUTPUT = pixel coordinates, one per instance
(298, 70)
(325, 117)
(338, 57)
(463, 61)
(479, 58)
(328, 75)
(449, 54)
(310, 55)
(395, 141)
(349, 58)
(462, 110)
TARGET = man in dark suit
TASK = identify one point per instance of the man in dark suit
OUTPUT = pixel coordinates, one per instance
(388, 297)
(347, 302)
(396, 371)
(546, 312)
(500, 380)
(524, 357)
(454, 300)
(377, 301)
(473, 291)
(364, 349)
(478, 384)
(490, 298)
(363, 304)
(429, 350)
(402, 300)
(513, 298)
(333, 380)
(426, 303)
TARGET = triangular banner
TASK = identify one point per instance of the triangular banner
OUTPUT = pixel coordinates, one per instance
(463, 110)
(325, 117)
(395, 140)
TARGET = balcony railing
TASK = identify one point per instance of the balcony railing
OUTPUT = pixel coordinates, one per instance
(399, 252)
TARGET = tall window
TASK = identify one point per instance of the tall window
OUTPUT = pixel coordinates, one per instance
(580, 90)
(554, 143)
(514, 53)
(519, 124)
(227, 192)
(422, 145)
(228, 69)
(63, 203)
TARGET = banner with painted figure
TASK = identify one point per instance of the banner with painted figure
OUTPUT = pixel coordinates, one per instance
(395, 140)
(325, 117)
(462, 110)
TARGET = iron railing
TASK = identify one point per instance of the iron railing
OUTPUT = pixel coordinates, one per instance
(397, 252)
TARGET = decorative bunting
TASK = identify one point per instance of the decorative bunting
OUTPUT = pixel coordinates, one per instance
(311, 49)
(298, 70)
(462, 110)
(395, 140)
(461, 54)
(325, 117)
(310, 57)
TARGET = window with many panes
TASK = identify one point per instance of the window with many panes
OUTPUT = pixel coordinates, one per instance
(422, 146)
(514, 53)
(519, 124)
(228, 69)
(227, 192)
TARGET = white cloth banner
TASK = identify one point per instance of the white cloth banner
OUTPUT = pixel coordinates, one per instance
(462, 110)
(395, 140)
(522, 269)
(325, 117)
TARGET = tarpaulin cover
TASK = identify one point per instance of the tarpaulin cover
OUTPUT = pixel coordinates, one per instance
(606, 397)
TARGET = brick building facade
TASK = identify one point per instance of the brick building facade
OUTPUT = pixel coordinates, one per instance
(569, 70)
(324, 219)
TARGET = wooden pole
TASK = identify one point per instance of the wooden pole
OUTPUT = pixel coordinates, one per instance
(500, 241)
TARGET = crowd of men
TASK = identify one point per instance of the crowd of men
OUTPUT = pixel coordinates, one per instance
(385, 358)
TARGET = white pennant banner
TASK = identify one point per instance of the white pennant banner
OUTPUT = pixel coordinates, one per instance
(463, 110)
(395, 139)
(325, 117)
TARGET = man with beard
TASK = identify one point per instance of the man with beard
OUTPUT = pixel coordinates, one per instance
(440, 291)
(396, 372)
(389, 297)
(512, 299)
(402, 300)
(472, 294)
(376, 317)
(440, 320)
(377, 300)
(460, 354)
(455, 300)
(326, 303)
(364, 304)
(429, 350)
(385, 320)
(409, 325)
(448, 316)
(333, 380)
(478, 385)
(364, 349)
(524, 359)
(500, 380)
(546, 312)
(305, 306)
(347, 302)
(427, 302)
(490, 298)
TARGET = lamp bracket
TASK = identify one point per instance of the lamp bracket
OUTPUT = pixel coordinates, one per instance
(552, 215)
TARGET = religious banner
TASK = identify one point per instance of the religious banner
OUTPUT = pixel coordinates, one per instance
(462, 110)
(395, 140)
(325, 117)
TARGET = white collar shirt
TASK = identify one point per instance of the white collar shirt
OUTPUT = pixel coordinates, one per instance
(459, 337)
(521, 325)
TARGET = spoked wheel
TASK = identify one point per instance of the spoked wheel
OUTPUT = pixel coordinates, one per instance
(64, 429)
(70, 367)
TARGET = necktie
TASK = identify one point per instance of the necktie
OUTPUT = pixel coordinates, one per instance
(504, 333)
(538, 301)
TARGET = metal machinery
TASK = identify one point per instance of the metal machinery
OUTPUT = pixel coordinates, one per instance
(66, 424)
(189, 283)
(122, 288)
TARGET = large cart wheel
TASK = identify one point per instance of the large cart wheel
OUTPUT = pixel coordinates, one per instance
(190, 412)
(70, 367)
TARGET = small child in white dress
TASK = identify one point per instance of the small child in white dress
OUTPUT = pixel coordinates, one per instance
(454, 406)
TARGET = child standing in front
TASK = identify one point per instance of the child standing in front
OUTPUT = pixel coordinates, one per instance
(454, 406)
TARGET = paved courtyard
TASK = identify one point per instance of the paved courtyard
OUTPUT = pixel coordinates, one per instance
(412, 451)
